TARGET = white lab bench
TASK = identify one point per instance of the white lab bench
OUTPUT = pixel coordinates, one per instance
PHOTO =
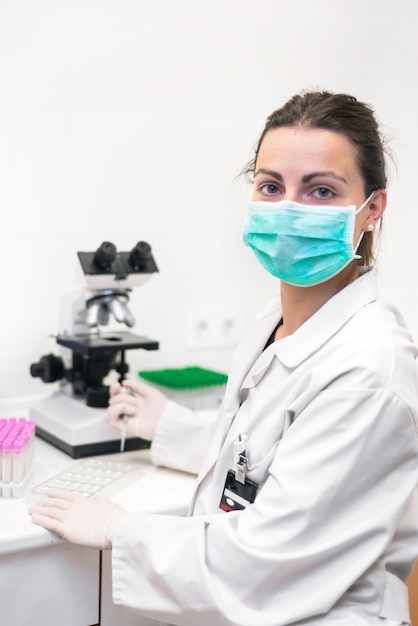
(45, 581)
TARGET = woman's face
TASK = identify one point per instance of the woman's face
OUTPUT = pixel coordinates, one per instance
(312, 166)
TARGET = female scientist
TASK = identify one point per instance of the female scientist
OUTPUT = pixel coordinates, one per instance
(305, 509)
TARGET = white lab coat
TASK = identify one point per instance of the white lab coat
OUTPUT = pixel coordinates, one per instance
(330, 413)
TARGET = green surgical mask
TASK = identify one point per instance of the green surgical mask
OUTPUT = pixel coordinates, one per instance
(300, 244)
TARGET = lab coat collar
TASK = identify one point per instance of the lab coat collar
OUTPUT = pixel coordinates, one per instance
(327, 321)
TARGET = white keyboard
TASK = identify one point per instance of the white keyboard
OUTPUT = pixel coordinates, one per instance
(88, 477)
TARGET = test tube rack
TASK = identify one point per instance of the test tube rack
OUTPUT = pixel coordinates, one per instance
(17, 441)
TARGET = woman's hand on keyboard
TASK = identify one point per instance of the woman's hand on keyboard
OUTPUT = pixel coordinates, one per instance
(88, 522)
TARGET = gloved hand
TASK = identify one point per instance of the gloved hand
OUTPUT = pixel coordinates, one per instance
(142, 403)
(88, 522)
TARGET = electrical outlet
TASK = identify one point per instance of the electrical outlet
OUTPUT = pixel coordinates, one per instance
(212, 327)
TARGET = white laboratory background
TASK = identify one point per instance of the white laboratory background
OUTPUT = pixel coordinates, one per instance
(129, 120)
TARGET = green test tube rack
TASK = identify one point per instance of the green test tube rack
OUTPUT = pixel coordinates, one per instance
(193, 386)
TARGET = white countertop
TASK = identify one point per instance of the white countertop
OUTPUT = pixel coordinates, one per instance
(153, 490)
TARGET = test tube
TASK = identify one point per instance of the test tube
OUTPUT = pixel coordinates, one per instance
(18, 464)
(29, 433)
(30, 429)
(6, 463)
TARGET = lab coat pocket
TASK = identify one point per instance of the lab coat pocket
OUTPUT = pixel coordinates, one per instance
(259, 467)
(395, 600)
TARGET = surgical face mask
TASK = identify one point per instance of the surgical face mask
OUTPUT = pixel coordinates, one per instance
(303, 245)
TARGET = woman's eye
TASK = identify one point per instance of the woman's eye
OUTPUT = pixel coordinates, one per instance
(323, 193)
(269, 189)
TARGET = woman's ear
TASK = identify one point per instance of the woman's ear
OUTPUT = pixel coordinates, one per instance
(376, 209)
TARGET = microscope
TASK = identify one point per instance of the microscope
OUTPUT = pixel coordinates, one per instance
(74, 418)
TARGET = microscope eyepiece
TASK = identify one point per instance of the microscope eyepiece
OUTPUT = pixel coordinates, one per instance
(105, 255)
(139, 255)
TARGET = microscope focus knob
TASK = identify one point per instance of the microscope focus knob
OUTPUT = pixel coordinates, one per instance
(139, 255)
(105, 255)
(97, 397)
(49, 368)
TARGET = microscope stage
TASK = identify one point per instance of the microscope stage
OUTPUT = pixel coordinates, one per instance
(90, 344)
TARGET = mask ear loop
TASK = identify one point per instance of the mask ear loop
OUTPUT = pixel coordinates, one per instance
(358, 256)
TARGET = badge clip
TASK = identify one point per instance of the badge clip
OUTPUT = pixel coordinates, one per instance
(241, 468)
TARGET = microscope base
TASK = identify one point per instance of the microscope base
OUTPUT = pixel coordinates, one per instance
(77, 429)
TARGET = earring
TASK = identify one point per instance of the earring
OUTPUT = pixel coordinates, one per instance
(370, 228)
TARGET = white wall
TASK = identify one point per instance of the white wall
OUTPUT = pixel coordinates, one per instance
(128, 120)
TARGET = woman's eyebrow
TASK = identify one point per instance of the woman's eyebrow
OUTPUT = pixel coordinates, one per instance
(308, 177)
(271, 173)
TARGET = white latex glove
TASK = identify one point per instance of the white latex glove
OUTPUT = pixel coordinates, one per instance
(142, 404)
(88, 522)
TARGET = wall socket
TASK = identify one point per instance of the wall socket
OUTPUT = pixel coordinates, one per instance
(212, 327)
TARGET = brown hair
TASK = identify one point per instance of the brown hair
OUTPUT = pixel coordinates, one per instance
(346, 115)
